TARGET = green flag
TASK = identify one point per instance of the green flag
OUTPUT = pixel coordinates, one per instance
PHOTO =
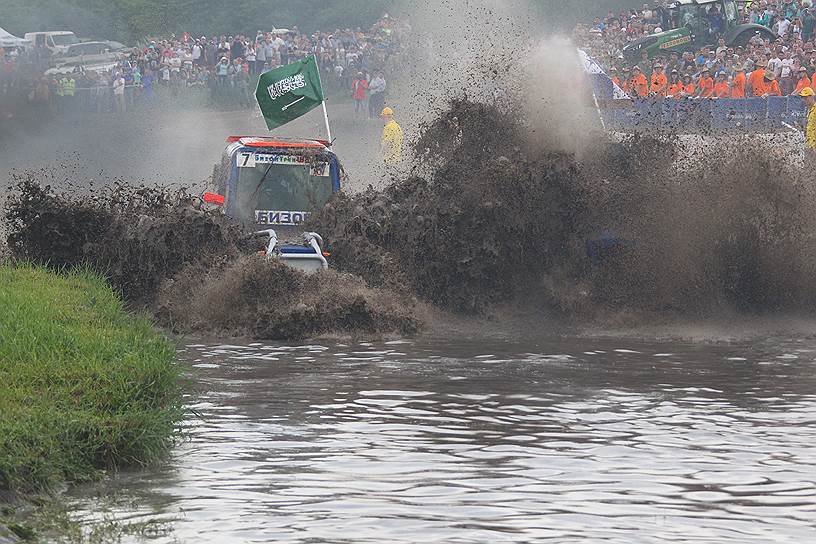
(286, 93)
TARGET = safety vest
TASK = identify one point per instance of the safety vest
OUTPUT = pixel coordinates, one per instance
(69, 87)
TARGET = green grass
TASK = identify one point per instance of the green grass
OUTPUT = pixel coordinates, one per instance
(84, 386)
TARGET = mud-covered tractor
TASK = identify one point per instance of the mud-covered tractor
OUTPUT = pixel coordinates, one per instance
(272, 185)
(691, 29)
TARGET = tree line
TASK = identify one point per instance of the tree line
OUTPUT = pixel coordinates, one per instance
(130, 21)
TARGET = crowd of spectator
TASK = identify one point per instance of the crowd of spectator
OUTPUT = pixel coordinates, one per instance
(776, 63)
(219, 70)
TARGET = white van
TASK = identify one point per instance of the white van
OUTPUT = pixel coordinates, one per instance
(58, 41)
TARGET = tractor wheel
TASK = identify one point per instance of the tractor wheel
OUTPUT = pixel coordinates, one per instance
(742, 39)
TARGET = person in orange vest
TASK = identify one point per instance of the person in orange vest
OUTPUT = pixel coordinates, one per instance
(688, 87)
(639, 84)
(660, 83)
(756, 83)
(675, 85)
(613, 75)
(738, 83)
(804, 82)
(771, 85)
(627, 82)
(721, 88)
(705, 85)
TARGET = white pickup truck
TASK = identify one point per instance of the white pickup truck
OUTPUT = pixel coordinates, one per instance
(58, 41)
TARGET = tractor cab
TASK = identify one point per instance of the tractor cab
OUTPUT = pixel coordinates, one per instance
(690, 28)
(272, 185)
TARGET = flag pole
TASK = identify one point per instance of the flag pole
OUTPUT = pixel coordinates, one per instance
(325, 111)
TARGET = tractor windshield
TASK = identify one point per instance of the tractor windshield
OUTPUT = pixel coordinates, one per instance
(281, 189)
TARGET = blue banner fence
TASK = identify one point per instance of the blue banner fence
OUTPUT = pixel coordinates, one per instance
(770, 114)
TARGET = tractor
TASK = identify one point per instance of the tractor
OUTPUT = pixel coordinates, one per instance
(691, 30)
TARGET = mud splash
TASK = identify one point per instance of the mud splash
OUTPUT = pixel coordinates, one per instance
(496, 219)
(487, 221)
(191, 267)
(488, 218)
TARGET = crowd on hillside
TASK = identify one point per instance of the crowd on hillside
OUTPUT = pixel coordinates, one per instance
(759, 68)
(216, 70)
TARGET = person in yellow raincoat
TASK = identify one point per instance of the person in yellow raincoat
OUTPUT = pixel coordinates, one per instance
(809, 96)
(392, 138)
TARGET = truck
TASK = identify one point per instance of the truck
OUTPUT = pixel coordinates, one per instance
(58, 41)
(691, 30)
(272, 185)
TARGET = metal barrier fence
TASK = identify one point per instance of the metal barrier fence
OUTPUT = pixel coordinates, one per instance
(694, 115)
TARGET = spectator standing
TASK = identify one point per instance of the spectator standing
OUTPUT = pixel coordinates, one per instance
(639, 84)
(807, 95)
(260, 54)
(738, 83)
(721, 89)
(119, 92)
(197, 54)
(359, 91)
(392, 138)
(376, 87)
(756, 84)
(660, 83)
(705, 86)
(803, 81)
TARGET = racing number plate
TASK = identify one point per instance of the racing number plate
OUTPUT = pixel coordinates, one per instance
(246, 159)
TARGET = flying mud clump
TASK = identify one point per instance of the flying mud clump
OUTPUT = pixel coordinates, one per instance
(194, 269)
(488, 220)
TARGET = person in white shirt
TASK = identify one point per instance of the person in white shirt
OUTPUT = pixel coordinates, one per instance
(197, 53)
(376, 99)
(783, 27)
(119, 92)
(775, 65)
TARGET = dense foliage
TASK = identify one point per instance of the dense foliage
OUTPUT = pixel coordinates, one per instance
(129, 20)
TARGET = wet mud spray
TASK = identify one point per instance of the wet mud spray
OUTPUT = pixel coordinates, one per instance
(495, 221)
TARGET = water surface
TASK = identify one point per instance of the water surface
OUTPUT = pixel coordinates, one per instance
(442, 441)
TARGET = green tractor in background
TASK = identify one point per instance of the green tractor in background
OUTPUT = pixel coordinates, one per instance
(691, 30)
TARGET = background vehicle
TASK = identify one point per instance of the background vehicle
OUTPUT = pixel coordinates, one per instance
(90, 53)
(58, 41)
(691, 30)
(273, 185)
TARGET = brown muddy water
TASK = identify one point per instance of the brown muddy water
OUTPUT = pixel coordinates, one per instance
(565, 440)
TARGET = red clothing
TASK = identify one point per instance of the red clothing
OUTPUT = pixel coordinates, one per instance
(358, 89)
(721, 89)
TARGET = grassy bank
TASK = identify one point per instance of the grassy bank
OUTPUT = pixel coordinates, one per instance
(83, 385)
